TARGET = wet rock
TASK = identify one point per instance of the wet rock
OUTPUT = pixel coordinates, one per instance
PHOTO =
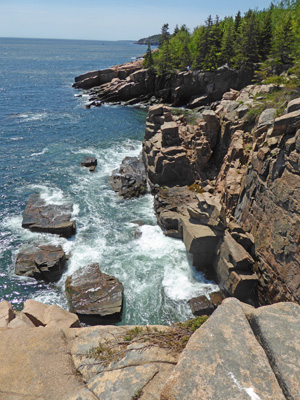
(130, 179)
(51, 218)
(94, 296)
(201, 305)
(89, 162)
(45, 262)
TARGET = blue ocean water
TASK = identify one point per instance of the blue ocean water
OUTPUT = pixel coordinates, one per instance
(45, 131)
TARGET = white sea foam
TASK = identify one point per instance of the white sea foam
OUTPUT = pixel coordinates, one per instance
(40, 153)
(27, 117)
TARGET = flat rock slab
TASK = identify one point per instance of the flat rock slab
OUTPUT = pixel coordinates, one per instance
(45, 262)
(36, 364)
(142, 370)
(51, 218)
(278, 330)
(223, 361)
(94, 296)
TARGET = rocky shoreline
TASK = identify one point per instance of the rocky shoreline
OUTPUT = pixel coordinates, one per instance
(221, 182)
(228, 185)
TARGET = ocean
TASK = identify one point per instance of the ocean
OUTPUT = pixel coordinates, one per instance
(45, 131)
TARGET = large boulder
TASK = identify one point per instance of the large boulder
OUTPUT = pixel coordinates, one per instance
(223, 360)
(94, 296)
(51, 218)
(45, 262)
(130, 179)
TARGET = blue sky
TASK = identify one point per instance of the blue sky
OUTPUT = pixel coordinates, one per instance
(109, 20)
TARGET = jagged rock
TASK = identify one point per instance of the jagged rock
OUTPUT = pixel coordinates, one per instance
(51, 218)
(130, 179)
(212, 126)
(41, 262)
(265, 121)
(234, 270)
(198, 102)
(293, 105)
(287, 123)
(223, 360)
(6, 313)
(45, 315)
(231, 95)
(201, 305)
(209, 211)
(268, 208)
(94, 296)
(201, 242)
(21, 320)
(89, 162)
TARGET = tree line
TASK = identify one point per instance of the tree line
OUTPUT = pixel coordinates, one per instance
(270, 37)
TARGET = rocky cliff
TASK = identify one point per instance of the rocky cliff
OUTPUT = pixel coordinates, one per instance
(237, 210)
(133, 84)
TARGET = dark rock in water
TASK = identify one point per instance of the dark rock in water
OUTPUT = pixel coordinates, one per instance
(51, 218)
(94, 296)
(89, 162)
(41, 262)
(130, 179)
(203, 305)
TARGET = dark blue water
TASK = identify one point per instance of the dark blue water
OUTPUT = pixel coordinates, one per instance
(44, 133)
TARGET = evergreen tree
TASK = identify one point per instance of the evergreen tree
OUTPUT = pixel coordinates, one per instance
(228, 42)
(247, 50)
(164, 36)
(283, 40)
(265, 36)
(148, 59)
(237, 21)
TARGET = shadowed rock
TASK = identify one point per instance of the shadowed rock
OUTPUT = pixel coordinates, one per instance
(51, 218)
(41, 262)
(89, 162)
(130, 179)
(94, 296)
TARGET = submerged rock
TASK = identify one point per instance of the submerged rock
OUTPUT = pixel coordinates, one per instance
(130, 179)
(51, 218)
(89, 162)
(94, 296)
(41, 262)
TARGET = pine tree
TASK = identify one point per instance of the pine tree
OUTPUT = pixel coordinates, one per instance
(265, 36)
(164, 36)
(148, 59)
(247, 50)
(283, 40)
(228, 41)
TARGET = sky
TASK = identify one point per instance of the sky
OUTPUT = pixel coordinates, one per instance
(110, 20)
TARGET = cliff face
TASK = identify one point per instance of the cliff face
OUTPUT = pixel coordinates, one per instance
(130, 83)
(251, 171)
(269, 205)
